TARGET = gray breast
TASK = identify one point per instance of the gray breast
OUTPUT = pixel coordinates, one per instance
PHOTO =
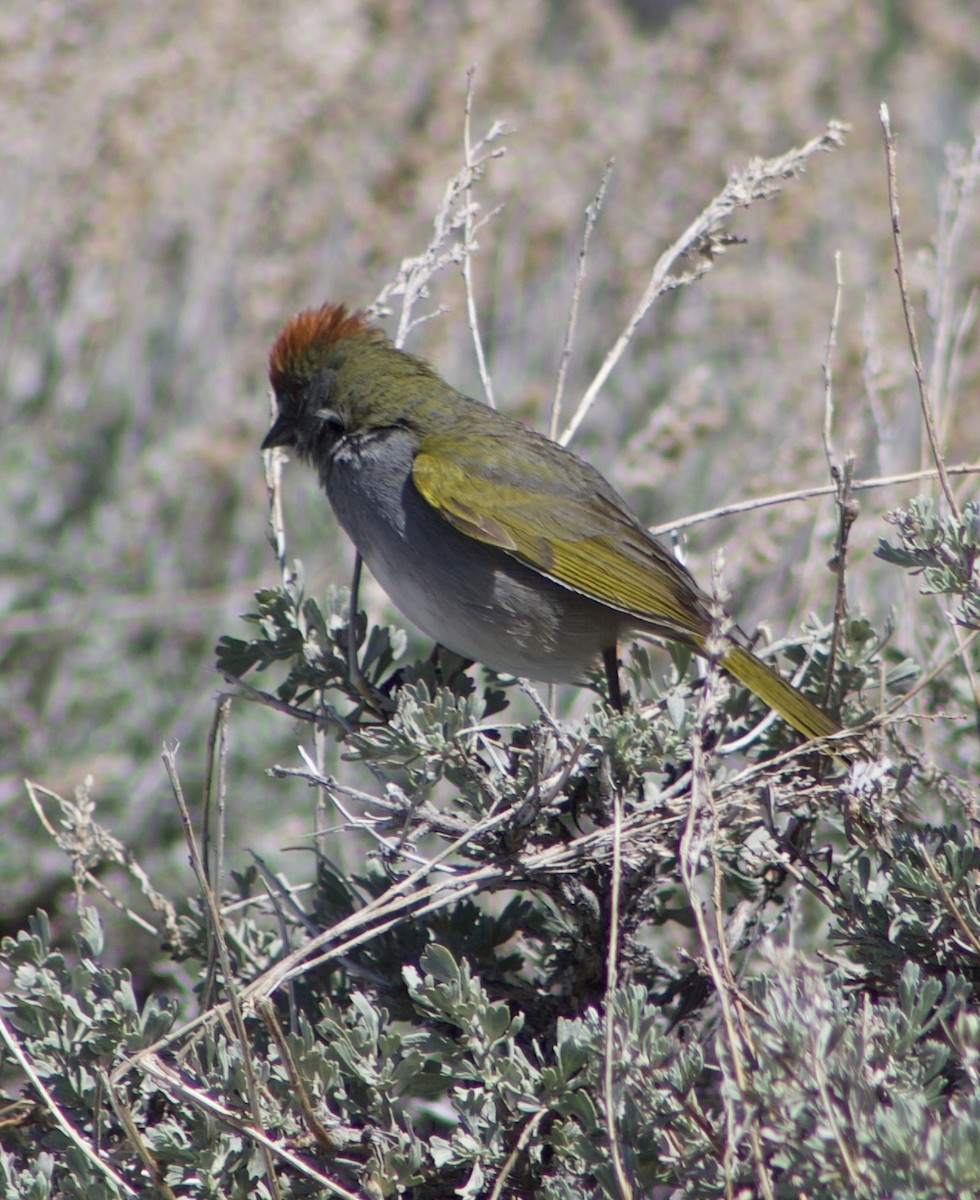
(473, 598)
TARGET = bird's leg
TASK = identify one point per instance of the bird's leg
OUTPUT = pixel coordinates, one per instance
(362, 686)
(610, 660)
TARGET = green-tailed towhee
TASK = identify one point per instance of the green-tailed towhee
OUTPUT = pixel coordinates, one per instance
(493, 539)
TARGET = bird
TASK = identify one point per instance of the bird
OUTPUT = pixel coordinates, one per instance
(494, 540)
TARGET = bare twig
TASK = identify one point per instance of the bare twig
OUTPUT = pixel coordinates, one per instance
(591, 216)
(413, 897)
(217, 753)
(622, 1180)
(329, 1139)
(760, 180)
(528, 1132)
(828, 368)
(824, 489)
(296, 963)
(23, 1060)
(921, 684)
(454, 227)
(174, 1084)
(843, 478)
(409, 896)
(699, 838)
(138, 1142)
(848, 511)
(969, 936)
(546, 714)
(217, 928)
(961, 177)
(928, 416)
(247, 692)
(470, 245)
(693, 842)
(212, 862)
(84, 841)
(830, 1108)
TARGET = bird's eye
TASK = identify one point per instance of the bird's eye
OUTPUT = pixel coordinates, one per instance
(331, 419)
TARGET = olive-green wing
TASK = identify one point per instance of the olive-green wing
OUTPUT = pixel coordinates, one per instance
(571, 527)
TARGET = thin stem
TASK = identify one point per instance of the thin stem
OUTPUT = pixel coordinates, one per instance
(529, 1130)
(760, 180)
(591, 216)
(828, 368)
(215, 923)
(824, 489)
(469, 243)
(848, 511)
(928, 416)
(625, 1187)
(25, 1063)
(175, 1084)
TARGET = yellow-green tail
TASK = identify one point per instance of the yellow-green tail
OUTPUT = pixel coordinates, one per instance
(791, 705)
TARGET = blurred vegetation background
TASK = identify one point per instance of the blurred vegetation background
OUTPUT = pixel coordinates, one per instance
(179, 179)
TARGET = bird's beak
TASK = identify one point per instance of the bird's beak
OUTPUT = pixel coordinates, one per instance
(282, 433)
